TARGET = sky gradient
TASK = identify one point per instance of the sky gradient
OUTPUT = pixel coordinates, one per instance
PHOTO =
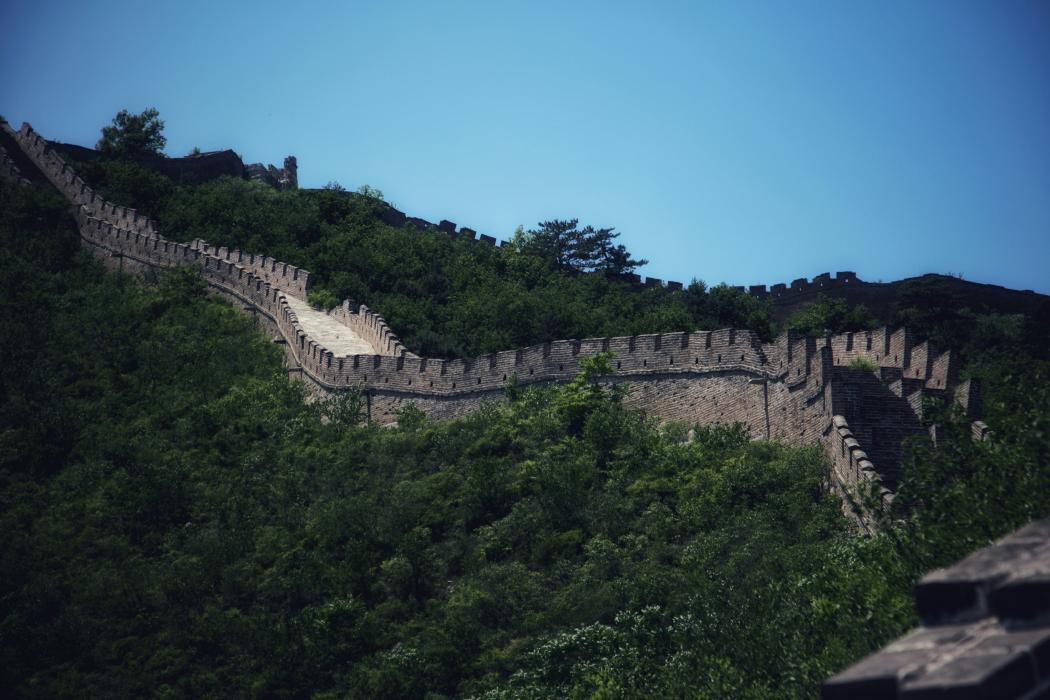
(745, 142)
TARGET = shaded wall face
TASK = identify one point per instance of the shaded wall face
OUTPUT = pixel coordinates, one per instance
(704, 399)
(191, 170)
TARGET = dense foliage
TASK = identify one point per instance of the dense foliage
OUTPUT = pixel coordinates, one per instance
(133, 134)
(443, 297)
(576, 249)
(831, 315)
(180, 523)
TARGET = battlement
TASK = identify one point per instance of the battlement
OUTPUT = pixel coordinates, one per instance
(66, 180)
(288, 278)
(853, 472)
(792, 359)
(372, 327)
(803, 286)
(896, 349)
(657, 354)
(790, 356)
(228, 277)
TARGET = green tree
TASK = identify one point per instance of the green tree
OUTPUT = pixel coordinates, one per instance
(831, 315)
(723, 306)
(569, 247)
(364, 190)
(133, 134)
(608, 256)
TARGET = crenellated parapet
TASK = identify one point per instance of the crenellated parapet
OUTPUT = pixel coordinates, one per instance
(700, 352)
(984, 633)
(369, 325)
(853, 473)
(228, 277)
(66, 181)
(896, 349)
(288, 278)
(821, 282)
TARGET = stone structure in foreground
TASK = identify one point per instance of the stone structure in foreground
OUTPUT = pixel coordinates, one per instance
(857, 394)
(985, 631)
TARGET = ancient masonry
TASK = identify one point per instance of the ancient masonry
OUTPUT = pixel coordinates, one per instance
(985, 631)
(797, 389)
(286, 178)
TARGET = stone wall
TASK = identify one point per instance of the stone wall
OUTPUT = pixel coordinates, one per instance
(788, 390)
(370, 326)
(286, 178)
(853, 475)
(189, 170)
(820, 283)
(66, 180)
(288, 278)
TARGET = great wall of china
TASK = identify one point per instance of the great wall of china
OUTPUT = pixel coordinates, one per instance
(801, 390)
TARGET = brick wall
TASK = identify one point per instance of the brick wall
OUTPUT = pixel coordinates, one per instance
(288, 278)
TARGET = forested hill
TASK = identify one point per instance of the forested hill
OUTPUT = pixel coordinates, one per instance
(452, 297)
(180, 522)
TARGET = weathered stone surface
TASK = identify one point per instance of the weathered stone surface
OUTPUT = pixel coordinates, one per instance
(992, 656)
(1022, 596)
(974, 675)
(286, 178)
(1015, 573)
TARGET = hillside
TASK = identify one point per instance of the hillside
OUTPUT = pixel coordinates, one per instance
(183, 523)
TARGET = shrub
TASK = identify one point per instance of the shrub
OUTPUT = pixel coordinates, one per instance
(323, 298)
(864, 364)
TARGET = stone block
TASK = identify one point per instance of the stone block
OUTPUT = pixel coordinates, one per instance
(974, 675)
(875, 677)
(962, 591)
(1023, 597)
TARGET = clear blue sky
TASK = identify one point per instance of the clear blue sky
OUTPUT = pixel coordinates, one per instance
(746, 142)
